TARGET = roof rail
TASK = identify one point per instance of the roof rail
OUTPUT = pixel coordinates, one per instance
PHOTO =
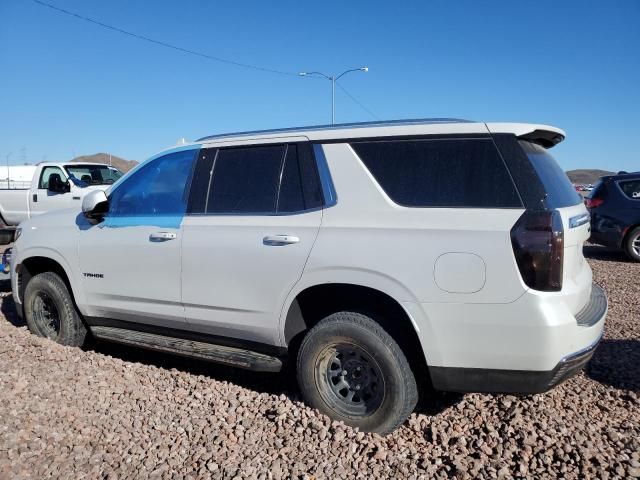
(338, 126)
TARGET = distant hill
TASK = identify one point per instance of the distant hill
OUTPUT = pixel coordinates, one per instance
(584, 176)
(120, 163)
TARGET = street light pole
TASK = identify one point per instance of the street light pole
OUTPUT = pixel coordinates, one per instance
(333, 100)
(8, 176)
(333, 79)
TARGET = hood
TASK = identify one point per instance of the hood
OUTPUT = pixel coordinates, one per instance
(90, 188)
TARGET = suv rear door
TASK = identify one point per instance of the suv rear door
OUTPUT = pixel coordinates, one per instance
(254, 214)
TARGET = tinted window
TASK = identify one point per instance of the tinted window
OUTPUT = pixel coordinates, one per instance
(440, 173)
(245, 180)
(201, 180)
(300, 187)
(291, 197)
(157, 188)
(311, 185)
(560, 192)
(631, 188)
(46, 174)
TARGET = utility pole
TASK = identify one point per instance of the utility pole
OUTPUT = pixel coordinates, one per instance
(333, 79)
(8, 176)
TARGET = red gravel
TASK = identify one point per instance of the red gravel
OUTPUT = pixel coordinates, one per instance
(114, 412)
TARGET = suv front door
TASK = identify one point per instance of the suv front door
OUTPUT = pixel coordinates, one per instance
(255, 212)
(130, 262)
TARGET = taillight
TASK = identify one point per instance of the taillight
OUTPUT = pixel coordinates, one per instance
(593, 202)
(538, 244)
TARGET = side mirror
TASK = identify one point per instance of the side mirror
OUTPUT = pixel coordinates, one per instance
(95, 205)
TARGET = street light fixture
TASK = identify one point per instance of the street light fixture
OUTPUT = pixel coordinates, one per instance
(333, 79)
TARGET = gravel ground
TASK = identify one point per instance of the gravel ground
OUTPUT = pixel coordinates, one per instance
(115, 412)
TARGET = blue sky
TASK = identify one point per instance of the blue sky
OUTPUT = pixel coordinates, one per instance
(69, 87)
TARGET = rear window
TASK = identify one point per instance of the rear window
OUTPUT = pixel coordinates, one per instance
(631, 188)
(559, 189)
(256, 180)
(440, 173)
(598, 188)
(245, 180)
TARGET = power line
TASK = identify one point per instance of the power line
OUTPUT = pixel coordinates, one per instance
(358, 102)
(190, 52)
(164, 44)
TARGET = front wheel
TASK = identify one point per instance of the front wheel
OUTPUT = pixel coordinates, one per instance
(632, 244)
(50, 312)
(350, 369)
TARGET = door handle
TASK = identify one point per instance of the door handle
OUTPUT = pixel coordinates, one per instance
(279, 240)
(162, 236)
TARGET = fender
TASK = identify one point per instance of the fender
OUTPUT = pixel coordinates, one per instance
(54, 255)
(359, 277)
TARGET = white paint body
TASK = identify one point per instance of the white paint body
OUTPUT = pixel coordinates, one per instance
(21, 198)
(452, 270)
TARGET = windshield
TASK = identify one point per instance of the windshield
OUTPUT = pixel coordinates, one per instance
(560, 192)
(85, 175)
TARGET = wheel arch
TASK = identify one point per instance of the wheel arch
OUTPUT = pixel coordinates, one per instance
(315, 302)
(40, 262)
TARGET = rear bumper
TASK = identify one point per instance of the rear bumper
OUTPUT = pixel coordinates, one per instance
(489, 380)
(467, 380)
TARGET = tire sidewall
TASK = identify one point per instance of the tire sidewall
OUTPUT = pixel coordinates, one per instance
(633, 235)
(395, 389)
(50, 284)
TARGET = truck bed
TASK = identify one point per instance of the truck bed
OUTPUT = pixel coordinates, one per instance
(14, 205)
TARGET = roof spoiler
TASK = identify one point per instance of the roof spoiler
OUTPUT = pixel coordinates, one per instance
(545, 138)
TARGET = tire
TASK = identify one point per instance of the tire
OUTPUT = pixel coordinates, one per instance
(350, 369)
(49, 311)
(632, 244)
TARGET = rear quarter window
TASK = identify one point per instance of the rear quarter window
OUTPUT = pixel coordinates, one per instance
(440, 172)
(558, 188)
(631, 188)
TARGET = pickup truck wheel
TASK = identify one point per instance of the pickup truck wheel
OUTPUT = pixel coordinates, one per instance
(632, 244)
(350, 369)
(50, 312)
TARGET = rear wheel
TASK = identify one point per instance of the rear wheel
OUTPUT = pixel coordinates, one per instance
(50, 312)
(350, 369)
(632, 244)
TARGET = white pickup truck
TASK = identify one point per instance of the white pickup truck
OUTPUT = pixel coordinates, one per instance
(54, 186)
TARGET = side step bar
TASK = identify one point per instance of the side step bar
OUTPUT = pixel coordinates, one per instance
(236, 357)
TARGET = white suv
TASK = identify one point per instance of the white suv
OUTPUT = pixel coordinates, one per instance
(372, 257)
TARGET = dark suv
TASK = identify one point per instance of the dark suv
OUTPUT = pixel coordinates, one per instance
(614, 205)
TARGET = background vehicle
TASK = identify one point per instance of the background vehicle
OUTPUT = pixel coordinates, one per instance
(343, 250)
(614, 205)
(50, 186)
(16, 176)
